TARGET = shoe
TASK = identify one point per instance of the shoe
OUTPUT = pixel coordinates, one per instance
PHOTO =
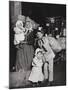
(44, 83)
(39, 84)
(50, 83)
(34, 84)
(46, 80)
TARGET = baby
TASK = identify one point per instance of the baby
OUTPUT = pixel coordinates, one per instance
(19, 32)
(36, 74)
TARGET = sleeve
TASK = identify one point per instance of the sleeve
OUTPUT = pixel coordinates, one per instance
(15, 40)
(17, 30)
(34, 63)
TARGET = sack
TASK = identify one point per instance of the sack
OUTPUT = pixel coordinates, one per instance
(54, 44)
(62, 42)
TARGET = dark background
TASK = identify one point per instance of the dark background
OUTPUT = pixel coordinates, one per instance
(39, 11)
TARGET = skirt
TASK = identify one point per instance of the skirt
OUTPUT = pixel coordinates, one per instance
(36, 74)
(24, 57)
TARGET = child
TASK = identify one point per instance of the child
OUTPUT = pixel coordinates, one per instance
(36, 74)
(19, 32)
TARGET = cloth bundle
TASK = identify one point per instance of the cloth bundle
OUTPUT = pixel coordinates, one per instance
(55, 45)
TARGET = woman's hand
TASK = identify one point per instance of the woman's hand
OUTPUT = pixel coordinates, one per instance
(17, 46)
(21, 42)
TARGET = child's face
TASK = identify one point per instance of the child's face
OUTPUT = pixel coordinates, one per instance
(28, 25)
(20, 26)
(39, 55)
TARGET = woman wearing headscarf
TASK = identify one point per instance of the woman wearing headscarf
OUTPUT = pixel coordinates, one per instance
(25, 53)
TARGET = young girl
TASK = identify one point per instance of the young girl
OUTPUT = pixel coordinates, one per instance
(36, 74)
(20, 32)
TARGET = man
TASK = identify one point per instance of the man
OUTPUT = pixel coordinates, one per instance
(49, 55)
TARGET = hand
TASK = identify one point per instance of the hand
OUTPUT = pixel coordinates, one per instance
(40, 43)
(21, 42)
(17, 46)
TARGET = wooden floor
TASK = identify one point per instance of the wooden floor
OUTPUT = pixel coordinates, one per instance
(17, 79)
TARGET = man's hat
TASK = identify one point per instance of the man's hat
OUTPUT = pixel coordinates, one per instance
(40, 29)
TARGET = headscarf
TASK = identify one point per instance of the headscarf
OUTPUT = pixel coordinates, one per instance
(39, 50)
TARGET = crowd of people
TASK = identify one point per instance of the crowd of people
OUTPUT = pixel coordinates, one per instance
(38, 56)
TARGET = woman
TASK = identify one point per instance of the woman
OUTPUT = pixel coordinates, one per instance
(24, 55)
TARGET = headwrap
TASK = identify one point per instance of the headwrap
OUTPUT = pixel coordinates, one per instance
(39, 50)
